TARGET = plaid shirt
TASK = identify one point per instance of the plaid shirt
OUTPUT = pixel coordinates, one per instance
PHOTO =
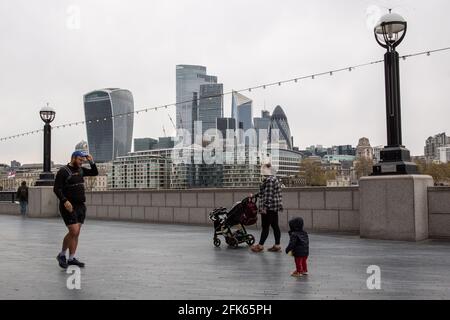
(270, 194)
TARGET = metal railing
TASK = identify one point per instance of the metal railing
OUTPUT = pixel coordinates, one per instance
(7, 196)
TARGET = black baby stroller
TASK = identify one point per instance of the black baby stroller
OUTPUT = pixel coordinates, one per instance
(243, 213)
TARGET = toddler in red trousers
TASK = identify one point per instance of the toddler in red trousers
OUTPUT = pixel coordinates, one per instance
(298, 246)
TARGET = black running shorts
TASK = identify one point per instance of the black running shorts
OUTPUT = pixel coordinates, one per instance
(76, 216)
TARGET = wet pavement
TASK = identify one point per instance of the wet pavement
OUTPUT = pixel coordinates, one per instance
(156, 261)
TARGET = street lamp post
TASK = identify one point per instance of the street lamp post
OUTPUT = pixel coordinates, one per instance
(394, 158)
(46, 178)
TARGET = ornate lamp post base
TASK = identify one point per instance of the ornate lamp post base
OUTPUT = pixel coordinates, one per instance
(46, 179)
(394, 160)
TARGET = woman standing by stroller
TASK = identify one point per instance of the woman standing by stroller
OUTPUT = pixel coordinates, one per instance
(270, 203)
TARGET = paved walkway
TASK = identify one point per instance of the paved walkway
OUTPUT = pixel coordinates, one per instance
(148, 261)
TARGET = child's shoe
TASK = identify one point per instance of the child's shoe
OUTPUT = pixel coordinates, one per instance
(296, 274)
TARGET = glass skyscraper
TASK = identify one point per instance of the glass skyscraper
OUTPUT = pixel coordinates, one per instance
(143, 144)
(109, 123)
(279, 121)
(241, 110)
(262, 126)
(189, 78)
(210, 106)
(263, 122)
(224, 124)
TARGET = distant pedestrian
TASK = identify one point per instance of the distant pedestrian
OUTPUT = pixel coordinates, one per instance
(298, 246)
(22, 196)
(69, 188)
(270, 203)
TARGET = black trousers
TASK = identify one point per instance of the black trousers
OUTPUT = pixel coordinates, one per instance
(270, 219)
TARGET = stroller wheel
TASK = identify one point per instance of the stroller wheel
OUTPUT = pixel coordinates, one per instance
(233, 242)
(217, 242)
(250, 240)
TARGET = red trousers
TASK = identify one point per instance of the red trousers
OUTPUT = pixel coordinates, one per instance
(300, 263)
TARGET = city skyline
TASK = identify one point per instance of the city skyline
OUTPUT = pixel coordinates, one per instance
(52, 61)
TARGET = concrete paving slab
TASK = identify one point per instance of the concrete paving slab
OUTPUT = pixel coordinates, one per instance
(127, 260)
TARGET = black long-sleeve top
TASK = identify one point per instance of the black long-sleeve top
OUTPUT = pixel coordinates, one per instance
(69, 182)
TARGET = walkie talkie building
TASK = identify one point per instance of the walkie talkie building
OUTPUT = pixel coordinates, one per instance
(109, 123)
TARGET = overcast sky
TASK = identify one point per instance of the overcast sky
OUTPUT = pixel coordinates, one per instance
(49, 55)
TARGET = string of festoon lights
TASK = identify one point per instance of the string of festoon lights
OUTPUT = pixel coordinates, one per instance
(249, 89)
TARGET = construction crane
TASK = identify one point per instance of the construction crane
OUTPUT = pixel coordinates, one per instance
(171, 120)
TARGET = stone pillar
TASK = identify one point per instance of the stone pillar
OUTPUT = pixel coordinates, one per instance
(394, 207)
(42, 202)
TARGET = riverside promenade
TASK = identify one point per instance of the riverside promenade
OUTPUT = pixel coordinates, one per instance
(127, 260)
